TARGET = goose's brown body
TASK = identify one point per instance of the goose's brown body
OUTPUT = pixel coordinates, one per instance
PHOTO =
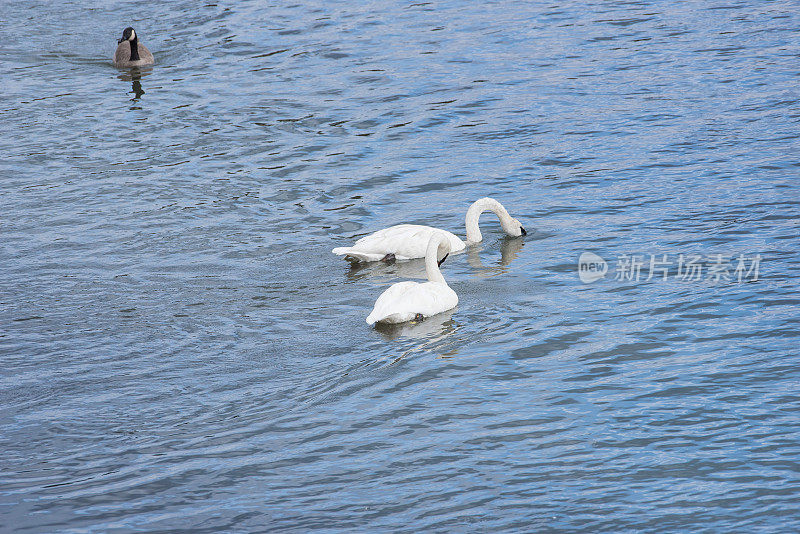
(130, 52)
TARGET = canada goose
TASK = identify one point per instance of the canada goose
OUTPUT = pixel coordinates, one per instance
(130, 53)
(407, 241)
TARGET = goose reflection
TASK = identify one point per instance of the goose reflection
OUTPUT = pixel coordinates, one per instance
(510, 249)
(134, 75)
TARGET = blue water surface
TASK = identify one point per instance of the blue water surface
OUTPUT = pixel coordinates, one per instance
(181, 352)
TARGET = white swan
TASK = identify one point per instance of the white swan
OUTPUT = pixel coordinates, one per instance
(407, 241)
(405, 301)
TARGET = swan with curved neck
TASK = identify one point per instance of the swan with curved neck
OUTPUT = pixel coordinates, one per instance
(510, 225)
(405, 301)
(408, 241)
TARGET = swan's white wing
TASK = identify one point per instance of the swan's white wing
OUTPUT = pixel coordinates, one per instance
(405, 300)
(405, 241)
(432, 298)
(388, 304)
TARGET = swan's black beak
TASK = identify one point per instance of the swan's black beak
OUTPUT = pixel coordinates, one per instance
(442, 260)
(521, 229)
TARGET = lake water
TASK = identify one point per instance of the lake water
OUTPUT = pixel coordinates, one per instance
(181, 351)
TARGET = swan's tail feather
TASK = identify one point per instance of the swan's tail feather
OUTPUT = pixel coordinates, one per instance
(356, 256)
(393, 318)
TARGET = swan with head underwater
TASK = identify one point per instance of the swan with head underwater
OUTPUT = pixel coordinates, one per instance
(408, 241)
(405, 301)
(130, 53)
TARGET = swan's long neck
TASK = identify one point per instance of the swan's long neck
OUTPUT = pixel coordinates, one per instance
(134, 48)
(436, 244)
(474, 214)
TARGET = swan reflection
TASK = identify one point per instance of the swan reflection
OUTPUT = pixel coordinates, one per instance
(510, 248)
(384, 272)
(433, 329)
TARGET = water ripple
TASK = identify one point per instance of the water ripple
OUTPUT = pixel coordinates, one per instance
(181, 352)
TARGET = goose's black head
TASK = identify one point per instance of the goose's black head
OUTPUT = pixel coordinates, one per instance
(128, 34)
